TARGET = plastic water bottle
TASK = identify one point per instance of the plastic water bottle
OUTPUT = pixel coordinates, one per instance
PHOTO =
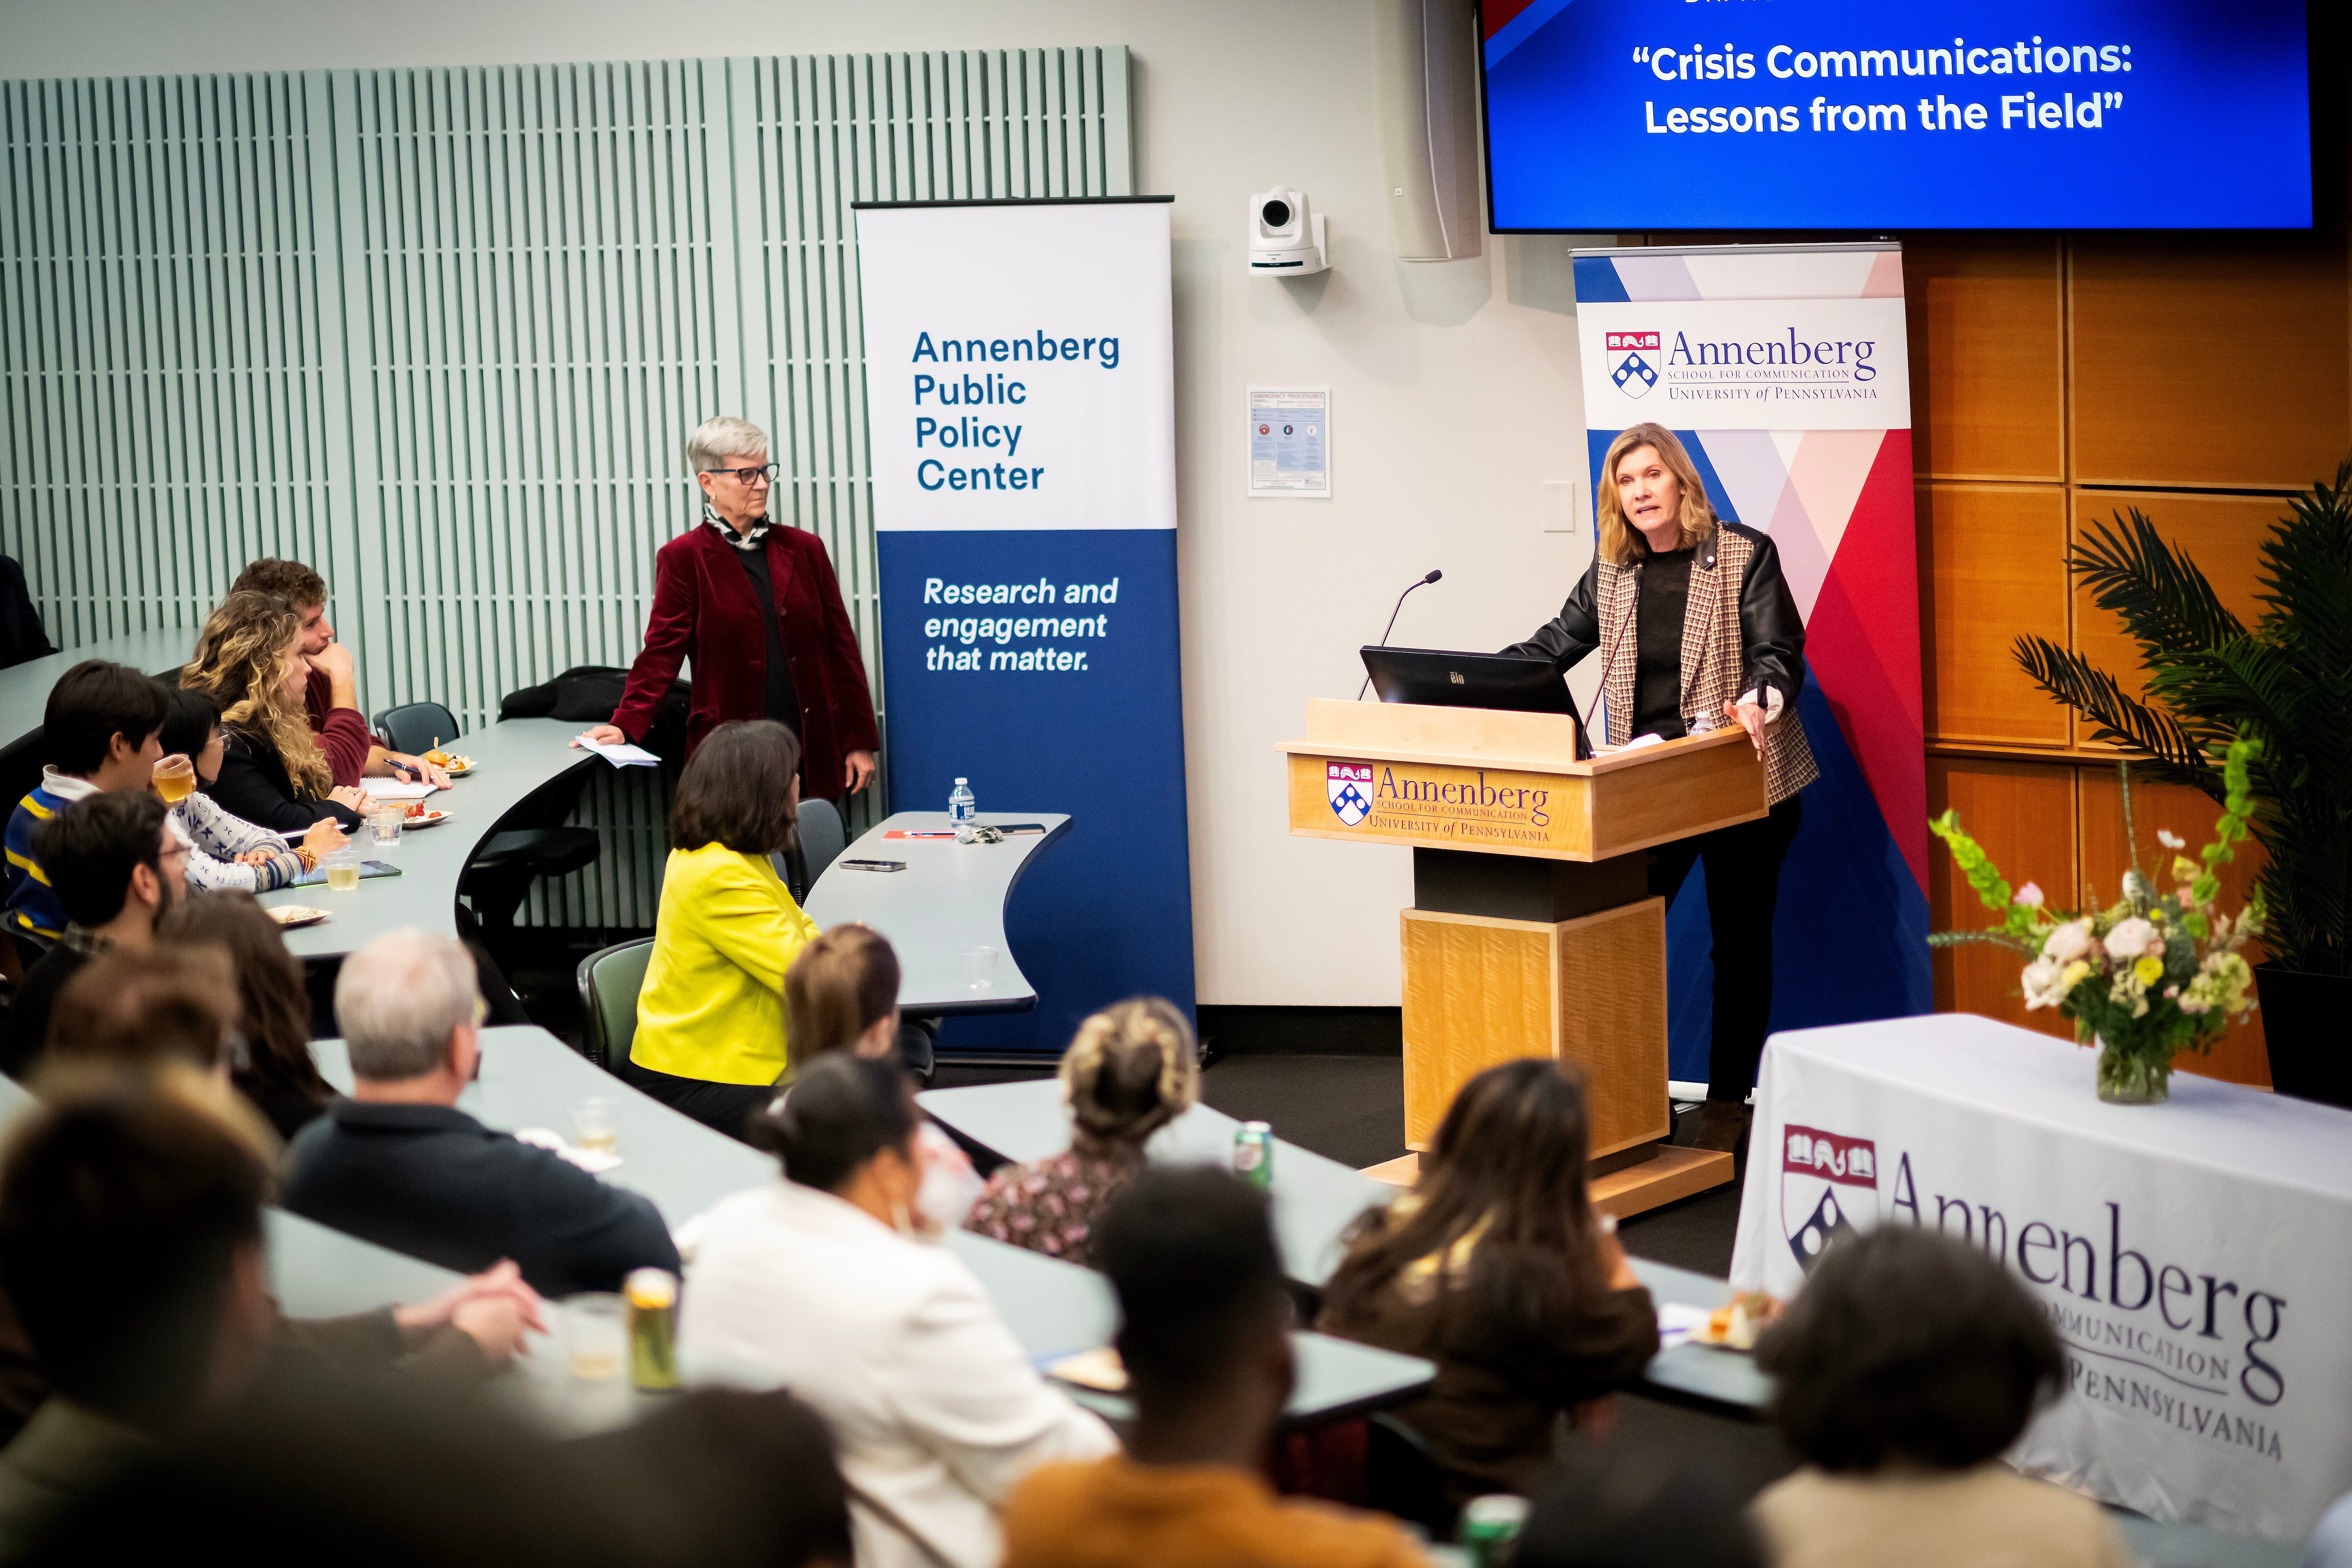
(963, 811)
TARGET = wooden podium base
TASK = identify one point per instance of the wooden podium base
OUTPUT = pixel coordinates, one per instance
(1673, 1173)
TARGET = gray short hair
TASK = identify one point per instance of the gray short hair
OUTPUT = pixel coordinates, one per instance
(724, 437)
(399, 998)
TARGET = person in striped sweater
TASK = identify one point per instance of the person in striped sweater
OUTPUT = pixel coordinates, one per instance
(101, 727)
(224, 850)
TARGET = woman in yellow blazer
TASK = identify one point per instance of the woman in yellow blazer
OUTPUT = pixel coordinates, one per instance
(710, 1018)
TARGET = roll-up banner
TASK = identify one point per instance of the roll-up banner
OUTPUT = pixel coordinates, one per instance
(1020, 393)
(1784, 368)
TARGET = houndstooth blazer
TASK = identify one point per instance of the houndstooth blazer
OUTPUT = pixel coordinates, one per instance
(1741, 633)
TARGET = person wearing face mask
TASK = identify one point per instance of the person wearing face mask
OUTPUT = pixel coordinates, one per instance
(1696, 628)
(754, 603)
(816, 1284)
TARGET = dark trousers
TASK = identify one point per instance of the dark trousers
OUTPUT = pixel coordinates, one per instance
(722, 1107)
(1743, 884)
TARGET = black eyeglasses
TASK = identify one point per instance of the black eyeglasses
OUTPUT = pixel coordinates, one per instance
(749, 476)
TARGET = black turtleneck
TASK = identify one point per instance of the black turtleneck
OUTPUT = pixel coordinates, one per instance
(783, 702)
(1658, 638)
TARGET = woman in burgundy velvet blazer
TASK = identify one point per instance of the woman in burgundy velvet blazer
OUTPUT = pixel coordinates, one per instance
(735, 616)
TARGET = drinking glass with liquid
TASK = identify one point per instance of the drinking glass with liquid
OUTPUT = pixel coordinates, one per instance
(594, 1126)
(343, 870)
(175, 778)
(384, 826)
(596, 1327)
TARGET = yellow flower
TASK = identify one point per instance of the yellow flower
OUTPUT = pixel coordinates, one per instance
(2148, 971)
(2074, 973)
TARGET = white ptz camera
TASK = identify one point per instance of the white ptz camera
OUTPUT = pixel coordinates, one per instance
(1284, 239)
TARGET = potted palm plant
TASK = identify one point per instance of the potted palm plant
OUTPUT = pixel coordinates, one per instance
(2285, 683)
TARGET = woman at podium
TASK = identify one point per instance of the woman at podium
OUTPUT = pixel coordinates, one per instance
(1698, 629)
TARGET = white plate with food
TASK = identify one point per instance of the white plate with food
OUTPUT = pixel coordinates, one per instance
(454, 766)
(420, 818)
(292, 915)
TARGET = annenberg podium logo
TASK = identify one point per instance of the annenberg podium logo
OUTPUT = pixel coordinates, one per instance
(1348, 785)
(1821, 1176)
(1633, 361)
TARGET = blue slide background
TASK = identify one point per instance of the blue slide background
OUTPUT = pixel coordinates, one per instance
(2214, 130)
(1106, 911)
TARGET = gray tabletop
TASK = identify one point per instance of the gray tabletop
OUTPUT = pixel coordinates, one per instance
(531, 1079)
(512, 760)
(24, 688)
(1315, 1201)
(948, 901)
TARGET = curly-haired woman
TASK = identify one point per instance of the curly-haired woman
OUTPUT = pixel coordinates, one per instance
(272, 771)
(1130, 1071)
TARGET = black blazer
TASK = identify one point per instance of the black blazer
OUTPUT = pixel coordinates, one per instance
(254, 785)
(432, 1182)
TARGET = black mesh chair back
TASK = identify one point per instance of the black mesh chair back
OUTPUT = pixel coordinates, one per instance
(416, 728)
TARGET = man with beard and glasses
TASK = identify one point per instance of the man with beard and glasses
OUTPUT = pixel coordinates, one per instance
(116, 866)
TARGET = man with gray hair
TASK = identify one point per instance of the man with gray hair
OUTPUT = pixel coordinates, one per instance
(399, 1164)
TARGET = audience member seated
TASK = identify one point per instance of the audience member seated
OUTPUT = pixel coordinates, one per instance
(117, 867)
(813, 1283)
(130, 1246)
(399, 1164)
(1633, 1506)
(275, 1070)
(726, 1477)
(841, 995)
(1130, 1071)
(710, 1039)
(330, 694)
(141, 1009)
(1903, 1369)
(248, 661)
(227, 851)
(1496, 1268)
(21, 633)
(1204, 1336)
(101, 729)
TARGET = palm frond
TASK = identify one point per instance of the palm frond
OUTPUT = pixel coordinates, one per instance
(2097, 696)
(2165, 603)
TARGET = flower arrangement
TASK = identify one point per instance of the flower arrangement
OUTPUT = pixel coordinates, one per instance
(2152, 974)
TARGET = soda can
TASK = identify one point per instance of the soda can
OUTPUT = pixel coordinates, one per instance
(1490, 1527)
(1254, 1152)
(651, 1296)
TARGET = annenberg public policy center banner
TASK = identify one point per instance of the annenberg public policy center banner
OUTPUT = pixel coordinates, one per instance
(1020, 390)
(1784, 368)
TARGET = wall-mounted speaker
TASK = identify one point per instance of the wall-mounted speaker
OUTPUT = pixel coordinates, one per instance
(1429, 125)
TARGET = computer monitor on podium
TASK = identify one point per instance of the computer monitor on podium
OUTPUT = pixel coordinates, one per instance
(1510, 682)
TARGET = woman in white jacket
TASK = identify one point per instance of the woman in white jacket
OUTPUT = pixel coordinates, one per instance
(816, 1283)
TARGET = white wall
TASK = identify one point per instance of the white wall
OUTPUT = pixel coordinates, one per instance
(1455, 389)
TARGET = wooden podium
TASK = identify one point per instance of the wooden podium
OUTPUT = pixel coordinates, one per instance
(1532, 931)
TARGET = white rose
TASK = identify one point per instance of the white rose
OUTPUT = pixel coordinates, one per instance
(2045, 984)
(2068, 943)
(2131, 938)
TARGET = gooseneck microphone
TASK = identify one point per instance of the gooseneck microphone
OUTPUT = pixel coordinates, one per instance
(1423, 582)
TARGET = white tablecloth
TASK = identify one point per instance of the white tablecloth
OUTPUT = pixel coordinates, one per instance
(2195, 1256)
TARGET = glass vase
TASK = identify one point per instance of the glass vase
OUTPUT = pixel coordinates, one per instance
(2133, 1076)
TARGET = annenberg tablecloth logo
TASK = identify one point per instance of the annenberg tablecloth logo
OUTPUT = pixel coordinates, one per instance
(1825, 1178)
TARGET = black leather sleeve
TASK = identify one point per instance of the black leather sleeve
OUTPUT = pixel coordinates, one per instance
(1772, 633)
(1571, 634)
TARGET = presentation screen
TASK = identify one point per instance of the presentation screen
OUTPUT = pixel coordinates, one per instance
(1609, 116)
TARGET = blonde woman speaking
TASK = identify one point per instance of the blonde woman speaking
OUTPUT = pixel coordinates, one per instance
(1698, 630)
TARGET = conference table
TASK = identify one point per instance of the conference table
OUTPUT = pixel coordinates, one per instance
(24, 690)
(529, 1079)
(944, 914)
(1316, 1199)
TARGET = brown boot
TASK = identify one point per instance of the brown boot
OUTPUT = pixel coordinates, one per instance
(1721, 1125)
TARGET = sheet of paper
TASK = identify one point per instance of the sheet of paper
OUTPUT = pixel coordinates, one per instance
(623, 755)
(398, 789)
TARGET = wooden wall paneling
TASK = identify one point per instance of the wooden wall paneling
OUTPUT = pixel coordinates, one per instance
(2239, 1055)
(1991, 568)
(1986, 314)
(2208, 360)
(2220, 533)
(2024, 815)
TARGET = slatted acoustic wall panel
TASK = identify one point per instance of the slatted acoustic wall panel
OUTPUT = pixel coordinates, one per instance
(444, 332)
